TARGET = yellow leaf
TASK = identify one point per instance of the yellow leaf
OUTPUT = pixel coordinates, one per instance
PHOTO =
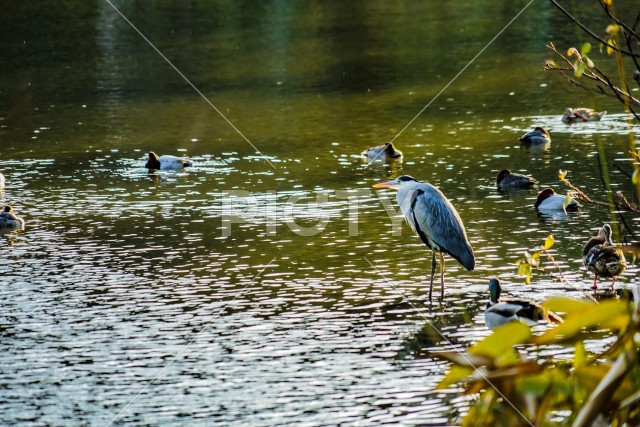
(566, 200)
(568, 306)
(610, 50)
(609, 314)
(634, 177)
(524, 269)
(549, 241)
(572, 51)
(502, 340)
(562, 174)
(613, 29)
(455, 375)
(607, 2)
(580, 355)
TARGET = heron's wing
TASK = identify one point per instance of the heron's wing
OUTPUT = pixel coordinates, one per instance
(438, 224)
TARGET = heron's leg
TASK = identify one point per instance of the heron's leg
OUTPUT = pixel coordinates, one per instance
(613, 283)
(433, 271)
(441, 275)
(595, 285)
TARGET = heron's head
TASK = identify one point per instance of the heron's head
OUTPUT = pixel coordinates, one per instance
(494, 289)
(396, 183)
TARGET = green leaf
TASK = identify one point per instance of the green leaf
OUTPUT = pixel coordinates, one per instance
(502, 340)
(535, 385)
(549, 241)
(585, 49)
(566, 200)
(634, 177)
(579, 70)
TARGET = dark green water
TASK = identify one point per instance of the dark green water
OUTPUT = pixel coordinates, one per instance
(268, 288)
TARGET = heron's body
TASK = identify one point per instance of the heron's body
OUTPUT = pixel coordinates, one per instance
(508, 180)
(434, 219)
(602, 258)
(502, 312)
(8, 218)
(166, 162)
(549, 200)
(537, 136)
(575, 115)
(382, 152)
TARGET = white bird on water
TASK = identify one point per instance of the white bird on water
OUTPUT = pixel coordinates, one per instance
(382, 152)
(434, 219)
(500, 312)
(166, 162)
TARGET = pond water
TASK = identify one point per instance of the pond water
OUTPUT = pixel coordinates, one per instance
(268, 285)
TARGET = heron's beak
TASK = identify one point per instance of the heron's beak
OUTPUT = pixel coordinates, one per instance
(389, 184)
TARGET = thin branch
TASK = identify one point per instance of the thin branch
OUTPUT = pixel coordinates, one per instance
(592, 73)
(617, 21)
(591, 33)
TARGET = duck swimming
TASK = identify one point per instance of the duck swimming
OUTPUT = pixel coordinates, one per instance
(549, 200)
(382, 152)
(528, 312)
(166, 162)
(8, 218)
(602, 258)
(575, 115)
(538, 135)
(507, 180)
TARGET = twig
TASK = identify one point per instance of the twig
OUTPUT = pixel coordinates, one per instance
(592, 73)
(591, 33)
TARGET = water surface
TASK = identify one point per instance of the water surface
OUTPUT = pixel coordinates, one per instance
(269, 288)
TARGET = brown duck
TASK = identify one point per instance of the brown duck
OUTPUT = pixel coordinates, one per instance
(602, 258)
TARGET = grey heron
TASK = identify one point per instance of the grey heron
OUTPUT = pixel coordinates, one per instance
(499, 312)
(166, 162)
(382, 152)
(434, 219)
(507, 180)
(602, 258)
(538, 135)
